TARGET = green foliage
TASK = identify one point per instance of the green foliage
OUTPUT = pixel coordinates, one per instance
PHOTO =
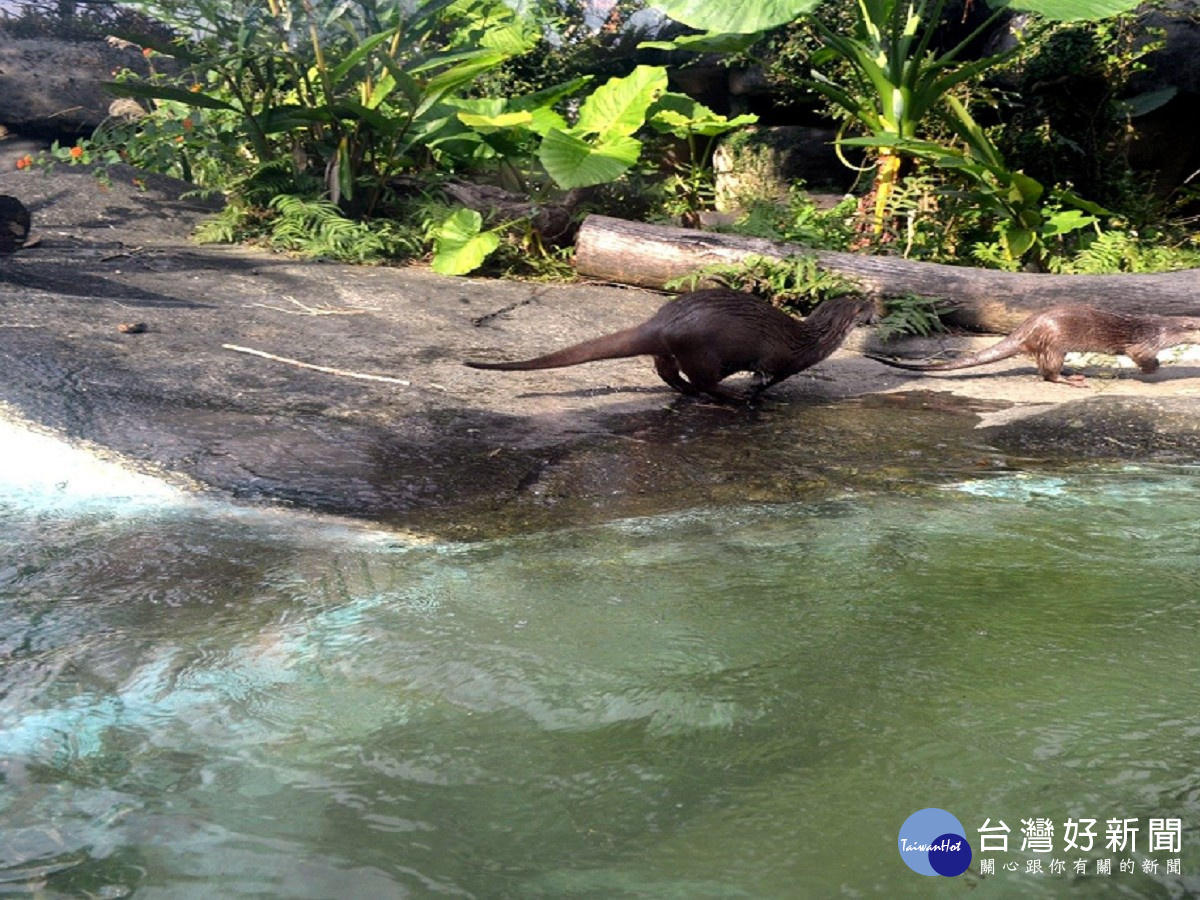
(797, 283)
(600, 146)
(887, 78)
(460, 243)
(1070, 122)
(347, 93)
(800, 221)
(910, 314)
(734, 16)
(691, 187)
(272, 214)
(329, 104)
(71, 21)
(1111, 252)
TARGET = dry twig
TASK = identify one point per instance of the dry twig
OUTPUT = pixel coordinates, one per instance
(306, 310)
(327, 369)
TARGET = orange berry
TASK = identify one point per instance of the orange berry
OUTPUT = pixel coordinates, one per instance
(76, 152)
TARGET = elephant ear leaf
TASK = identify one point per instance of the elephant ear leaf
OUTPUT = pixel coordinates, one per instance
(618, 107)
(735, 16)
(460, 245)
(573, 162)
(1075, 10)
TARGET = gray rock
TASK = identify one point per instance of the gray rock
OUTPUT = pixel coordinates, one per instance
(427, 444)
(49, 86)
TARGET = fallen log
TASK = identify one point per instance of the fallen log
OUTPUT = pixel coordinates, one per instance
(982, 299)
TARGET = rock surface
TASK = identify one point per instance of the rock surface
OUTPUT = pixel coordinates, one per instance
(57, 87)
(449, 450)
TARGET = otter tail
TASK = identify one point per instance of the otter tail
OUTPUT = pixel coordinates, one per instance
(630, 342)
(1010, 346)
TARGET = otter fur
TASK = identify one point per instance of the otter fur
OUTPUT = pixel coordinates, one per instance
(1048, 336)
(704, 336)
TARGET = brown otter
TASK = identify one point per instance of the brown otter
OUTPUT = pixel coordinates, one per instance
(708, 335)
(14, 224)
(1048, 336)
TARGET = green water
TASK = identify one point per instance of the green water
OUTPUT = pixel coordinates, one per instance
(198, 701)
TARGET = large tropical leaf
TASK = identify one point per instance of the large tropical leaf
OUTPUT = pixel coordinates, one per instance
(680, 115)
(502, 121)
(712, 42)
(572, 162)
(618, 107)
(735, 16)
(1075, 10)
(460, 246)
(463, 73)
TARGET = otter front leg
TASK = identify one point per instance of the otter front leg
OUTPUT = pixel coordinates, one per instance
(762, 381)
(1072, 380)
(1148, 364)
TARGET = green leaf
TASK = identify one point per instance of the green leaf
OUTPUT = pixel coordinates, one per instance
(1148, 101)
(165, 92)
(1062, 195)
(1027, 190)
(279, 119)
(618, 107)
(384, 85)
(357, 55)
(459, 247)
(490, 124)
(511, 40)
(572, 162)
(735, 16)
(1075, 10)
(712, 42)
(1017, 241)
(680, 115)
(352, 111)
(464, 73)
(1066, 221)
(551, 95)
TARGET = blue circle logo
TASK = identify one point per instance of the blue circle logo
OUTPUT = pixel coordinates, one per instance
(933, 842)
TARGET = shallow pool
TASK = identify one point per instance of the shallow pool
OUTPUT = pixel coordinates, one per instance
(201, 700)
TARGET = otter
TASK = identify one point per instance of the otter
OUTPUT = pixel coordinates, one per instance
(707, 335)
(1048, 336)
(14, 224)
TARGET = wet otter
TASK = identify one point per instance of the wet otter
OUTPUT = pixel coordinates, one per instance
(1048, 336)
(708, 335)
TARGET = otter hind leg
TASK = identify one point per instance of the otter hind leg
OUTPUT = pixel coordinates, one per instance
(668, 370)
(705, 379)
(1050, 366)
